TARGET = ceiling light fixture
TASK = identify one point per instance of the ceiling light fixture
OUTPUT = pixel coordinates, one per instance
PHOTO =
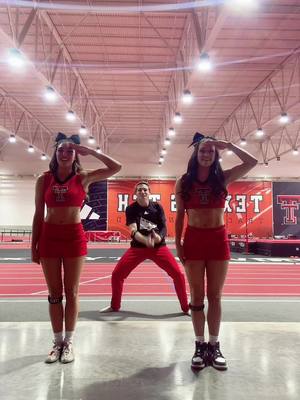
(171, 132)
(204, 64)
(284, 118)
(70, 115)
(12, 138)
(82, 130)
(187, 97)
(15, 58)
(50, 94)
(177, 118)
(260, 132)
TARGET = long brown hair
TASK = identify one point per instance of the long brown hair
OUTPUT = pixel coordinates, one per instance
(216, 178)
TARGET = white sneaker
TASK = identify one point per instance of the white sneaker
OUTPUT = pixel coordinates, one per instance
(67, 354)
(54, 353)
(107, 309)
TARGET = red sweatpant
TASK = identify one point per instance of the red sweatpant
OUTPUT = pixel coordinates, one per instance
(133, 257)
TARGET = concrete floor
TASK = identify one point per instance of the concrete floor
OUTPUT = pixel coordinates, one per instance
(144, 360)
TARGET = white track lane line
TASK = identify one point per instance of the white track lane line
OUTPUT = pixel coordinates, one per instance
(81, 283)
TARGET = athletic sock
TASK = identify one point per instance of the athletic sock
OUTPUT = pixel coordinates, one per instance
(213, 339)
(69, 336)
(58, 337)
(199, 339)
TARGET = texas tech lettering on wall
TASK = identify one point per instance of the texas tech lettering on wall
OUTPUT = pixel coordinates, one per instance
(240, 203)
(125, 199)
(248, 208)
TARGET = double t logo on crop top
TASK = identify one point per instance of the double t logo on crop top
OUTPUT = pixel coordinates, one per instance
(67, 194)
(201, 196)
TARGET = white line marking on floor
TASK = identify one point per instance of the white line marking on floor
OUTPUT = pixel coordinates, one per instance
(155, 300)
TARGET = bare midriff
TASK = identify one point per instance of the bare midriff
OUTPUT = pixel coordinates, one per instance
(205, 217)
(63, 215)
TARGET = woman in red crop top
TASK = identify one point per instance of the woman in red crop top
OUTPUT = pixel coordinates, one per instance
(58, 239)
(201, 194)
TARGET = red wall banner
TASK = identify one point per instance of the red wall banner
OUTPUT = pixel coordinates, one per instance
(120, 195)
(248, 208)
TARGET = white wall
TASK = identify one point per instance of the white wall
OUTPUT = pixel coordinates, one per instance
(16, 202)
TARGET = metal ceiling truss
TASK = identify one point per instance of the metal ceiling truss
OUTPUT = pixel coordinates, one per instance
(16, 120)
(53, 61)
(278, 93)
(196, 39)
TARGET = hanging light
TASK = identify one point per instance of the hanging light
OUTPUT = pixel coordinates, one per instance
(171, 132)
(82, 130)
(167, 142)
(30, 149)
(15, 58)
(98, 150)
(284, 118)
(204, 64)
(295, 151)
(243, 142)
(50, 94)
(177, 118)
(70, 115)
(187, 97)
(161, 159)
(242, 6)
(12, 138)
(266, 164)
(260, 132)
(91, 139)
(164, 151)
(43, 157)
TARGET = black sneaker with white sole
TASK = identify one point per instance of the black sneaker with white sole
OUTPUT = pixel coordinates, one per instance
(199, 357)
(215, 358)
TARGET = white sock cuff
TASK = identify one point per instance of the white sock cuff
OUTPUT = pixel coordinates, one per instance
(58, 337)
(69, 336)
(199, 339)
(213, 339)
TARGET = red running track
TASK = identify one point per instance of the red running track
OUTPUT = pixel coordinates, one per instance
(246, 279)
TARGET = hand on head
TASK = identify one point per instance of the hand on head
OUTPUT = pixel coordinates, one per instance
(81, 150)
(220, 144)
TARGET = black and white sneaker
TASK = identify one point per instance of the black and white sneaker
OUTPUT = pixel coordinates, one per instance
(215, 357)
(199, 357)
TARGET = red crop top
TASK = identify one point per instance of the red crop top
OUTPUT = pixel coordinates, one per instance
(201, 197)
(67, 194)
